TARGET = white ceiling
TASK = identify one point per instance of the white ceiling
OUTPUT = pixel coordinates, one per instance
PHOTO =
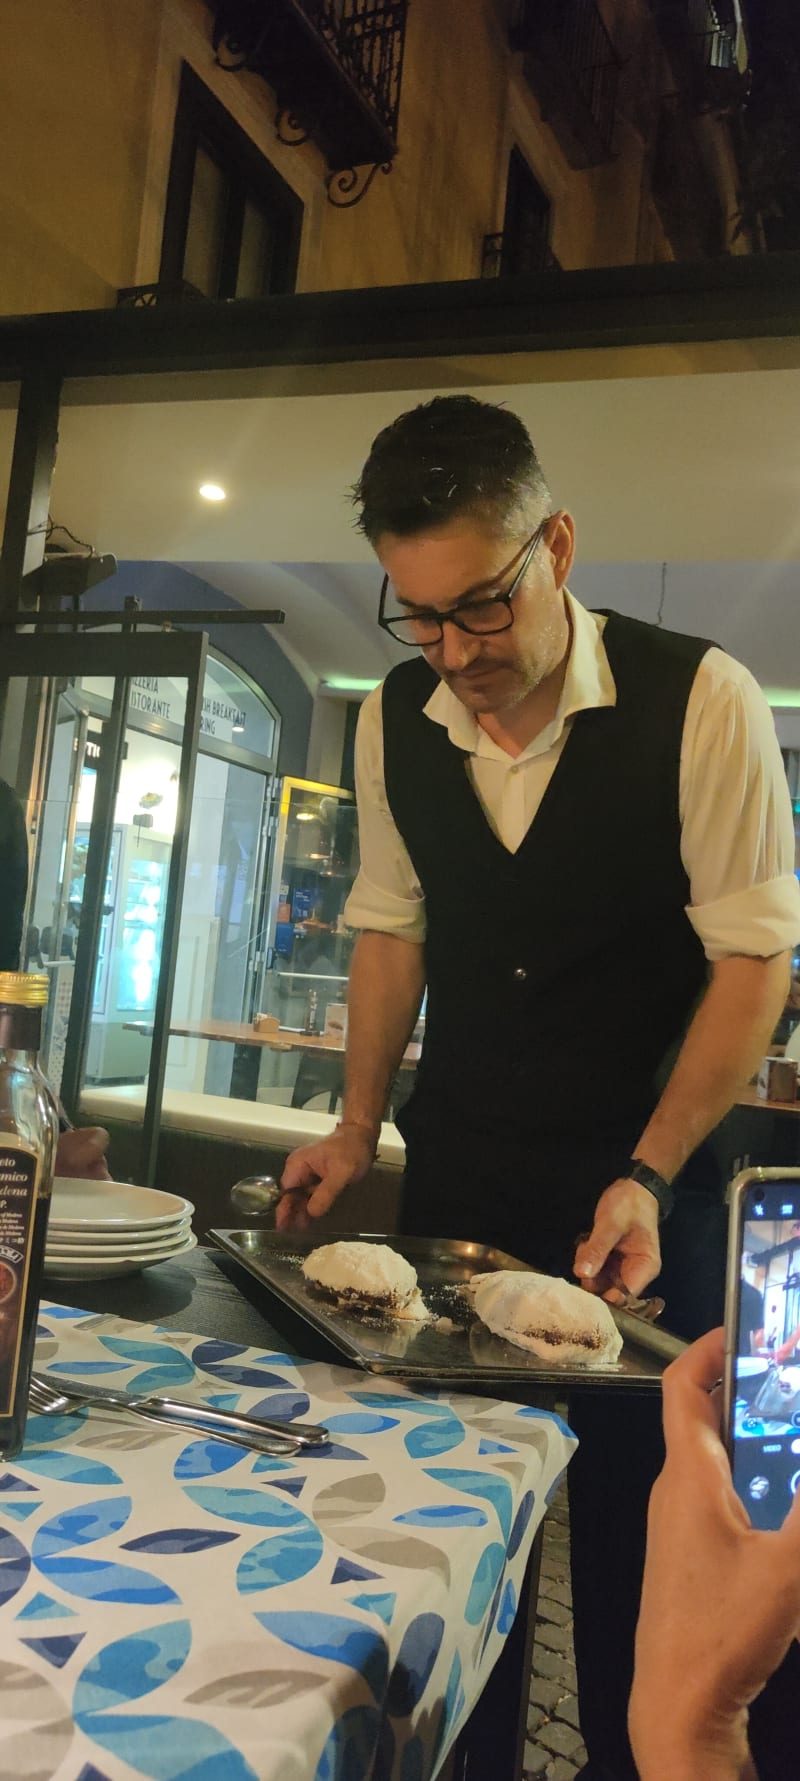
(751, 609)
(698, 470)
(330, 612)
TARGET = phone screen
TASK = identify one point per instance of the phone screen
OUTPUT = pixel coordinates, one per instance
(764, 1416)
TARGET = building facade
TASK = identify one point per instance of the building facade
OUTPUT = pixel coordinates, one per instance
(241, 150)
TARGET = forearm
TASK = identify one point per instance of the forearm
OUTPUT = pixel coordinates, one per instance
(387, 980)
(726, 1040)
(679, 1733)
(694, 1762)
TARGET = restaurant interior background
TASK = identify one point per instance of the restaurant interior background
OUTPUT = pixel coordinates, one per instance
(674, 446)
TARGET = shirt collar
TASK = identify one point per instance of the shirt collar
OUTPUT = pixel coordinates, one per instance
(588, 683)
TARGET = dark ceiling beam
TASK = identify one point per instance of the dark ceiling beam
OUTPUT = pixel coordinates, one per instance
(30, 482)
(718, 299)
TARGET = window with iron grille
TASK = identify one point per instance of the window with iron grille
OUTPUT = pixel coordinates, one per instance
(713, 25)
(526, 224)
(571, 64)
(232, 225)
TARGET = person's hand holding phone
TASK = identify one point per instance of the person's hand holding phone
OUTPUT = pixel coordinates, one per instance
(720, 1601)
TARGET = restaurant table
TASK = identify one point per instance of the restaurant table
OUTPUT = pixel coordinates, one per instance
(174, 1607)
(762, 1132)
(241, 1032)
(750, 1097)
(247, 1043)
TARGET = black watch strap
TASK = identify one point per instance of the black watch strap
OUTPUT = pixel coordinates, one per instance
(636, 1170)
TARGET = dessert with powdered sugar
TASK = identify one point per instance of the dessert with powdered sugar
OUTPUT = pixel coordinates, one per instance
(556, 1321)
(367, 1277)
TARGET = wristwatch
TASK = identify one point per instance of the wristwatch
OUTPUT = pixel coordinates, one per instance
(636, 1170)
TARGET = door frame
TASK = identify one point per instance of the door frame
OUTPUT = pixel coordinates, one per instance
(122, 656)
(79, 725)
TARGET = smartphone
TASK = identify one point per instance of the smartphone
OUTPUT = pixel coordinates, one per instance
(761, 1386)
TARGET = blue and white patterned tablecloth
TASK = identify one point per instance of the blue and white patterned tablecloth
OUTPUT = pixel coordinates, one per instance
(172, 1607)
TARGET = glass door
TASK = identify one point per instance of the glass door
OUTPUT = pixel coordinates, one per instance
(218, 946)
(133, 913)
(314, 865)
(305, 963)
(48, 936)
(111, 853)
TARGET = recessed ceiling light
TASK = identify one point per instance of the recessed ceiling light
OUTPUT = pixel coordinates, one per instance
(211, 491)
(783, 698)
(338, 683)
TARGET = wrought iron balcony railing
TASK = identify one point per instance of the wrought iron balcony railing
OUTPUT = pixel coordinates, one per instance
(573, 68)
(708, 50)
(335, 67)
(146, 296)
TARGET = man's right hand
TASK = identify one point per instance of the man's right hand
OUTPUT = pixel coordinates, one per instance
(315, 1175)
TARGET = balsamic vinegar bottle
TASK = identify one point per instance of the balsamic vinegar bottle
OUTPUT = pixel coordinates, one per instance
(28, 1138)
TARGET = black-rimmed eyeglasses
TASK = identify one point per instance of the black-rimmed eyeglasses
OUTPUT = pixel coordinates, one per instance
(478, 615)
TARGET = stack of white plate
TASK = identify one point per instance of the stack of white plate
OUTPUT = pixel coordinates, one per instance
(99, 1228)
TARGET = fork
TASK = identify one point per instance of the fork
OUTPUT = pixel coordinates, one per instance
(306, 1434)
(45, 1401)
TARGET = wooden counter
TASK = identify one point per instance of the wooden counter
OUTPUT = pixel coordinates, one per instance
(240, 1032)
(749, 1098)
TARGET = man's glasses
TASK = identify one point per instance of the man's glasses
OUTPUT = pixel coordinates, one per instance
(480, 616)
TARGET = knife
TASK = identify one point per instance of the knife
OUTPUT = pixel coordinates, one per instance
(305, 1434)
(644, 1334)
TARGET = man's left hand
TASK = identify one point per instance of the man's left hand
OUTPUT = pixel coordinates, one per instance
(720, 1601)
(622, 1248)
(82, 1153)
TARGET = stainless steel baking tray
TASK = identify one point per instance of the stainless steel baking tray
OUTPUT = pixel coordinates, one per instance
(469, 1351)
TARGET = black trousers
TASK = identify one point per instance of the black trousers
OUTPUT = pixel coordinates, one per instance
(534, 1205)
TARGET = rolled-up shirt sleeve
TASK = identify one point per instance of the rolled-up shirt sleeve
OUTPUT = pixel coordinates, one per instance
(387, 895)
(737, 832)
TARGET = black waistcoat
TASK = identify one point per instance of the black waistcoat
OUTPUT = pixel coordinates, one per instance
(558, 976)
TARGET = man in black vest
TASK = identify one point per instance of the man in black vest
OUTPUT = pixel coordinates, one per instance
(576, 832)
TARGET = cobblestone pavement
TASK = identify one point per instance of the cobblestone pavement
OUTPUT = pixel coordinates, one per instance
(554, 1750)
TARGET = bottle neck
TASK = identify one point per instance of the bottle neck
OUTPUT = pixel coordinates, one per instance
(20, 1029)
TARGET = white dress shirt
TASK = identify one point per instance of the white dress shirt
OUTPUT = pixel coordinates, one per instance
(737, 833)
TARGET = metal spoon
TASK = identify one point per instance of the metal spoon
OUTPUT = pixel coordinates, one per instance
(255, 1194)
(47, 1402)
